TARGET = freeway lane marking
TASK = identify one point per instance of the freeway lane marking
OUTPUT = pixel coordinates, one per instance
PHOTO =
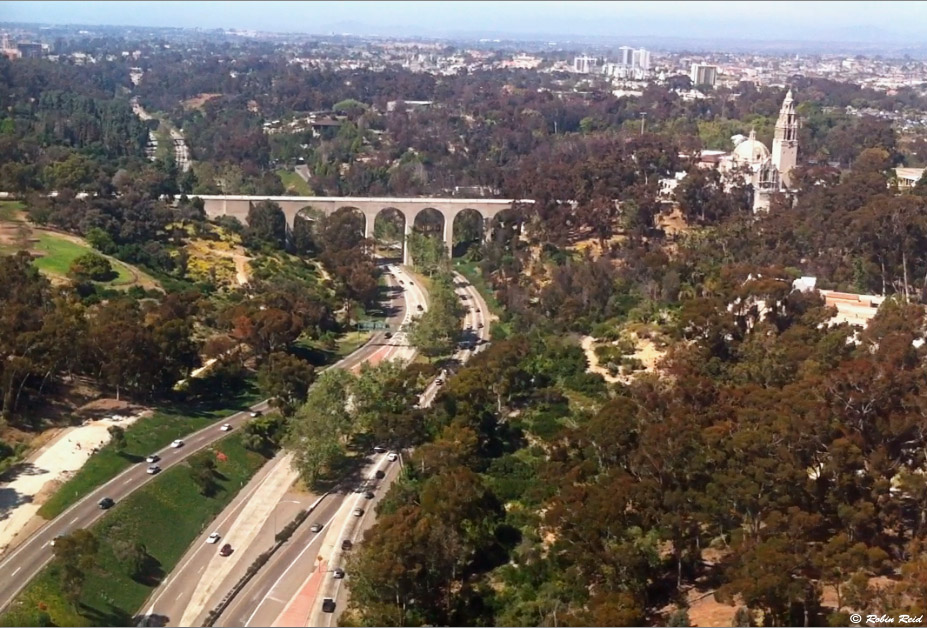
(318, 536)
(15, 571)
(74, 519)
(127, 481)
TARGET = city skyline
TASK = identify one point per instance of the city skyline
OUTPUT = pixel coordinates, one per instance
(820, 22)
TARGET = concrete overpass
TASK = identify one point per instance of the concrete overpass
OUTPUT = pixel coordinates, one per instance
(370, 207)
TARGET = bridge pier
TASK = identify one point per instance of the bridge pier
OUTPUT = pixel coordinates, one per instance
(406, 252)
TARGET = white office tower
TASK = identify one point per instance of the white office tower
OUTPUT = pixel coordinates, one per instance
(625, 56)
(703, 74)
(584, 64)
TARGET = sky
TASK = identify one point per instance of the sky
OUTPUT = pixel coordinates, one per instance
(762, 21)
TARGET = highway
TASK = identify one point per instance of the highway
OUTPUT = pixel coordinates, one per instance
(290, 588)
(22, 564)
(187, 595)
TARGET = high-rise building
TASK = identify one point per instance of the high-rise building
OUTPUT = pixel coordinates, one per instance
(625, 56)
(785, 140)
(584, 64)
(704, 74)
(640, 59)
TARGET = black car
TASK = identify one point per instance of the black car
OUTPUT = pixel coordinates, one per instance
(328, 605)
(380, 474)
(368, 495)
(106, 503)
(388, 334)
(346, 545)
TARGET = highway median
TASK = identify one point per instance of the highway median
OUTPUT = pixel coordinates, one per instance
(160, 521)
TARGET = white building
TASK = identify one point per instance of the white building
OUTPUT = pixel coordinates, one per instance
(703, 74)
(585, 64)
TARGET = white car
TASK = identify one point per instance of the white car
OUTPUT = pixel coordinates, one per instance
(358, 512)
(213, 538)
(153, 469)
(177, 443)
(392, 456)
(225, 427)
(152, 458)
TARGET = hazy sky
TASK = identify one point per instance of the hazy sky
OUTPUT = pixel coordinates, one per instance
(807, 21)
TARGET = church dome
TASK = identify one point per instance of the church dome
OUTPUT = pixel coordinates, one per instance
(750, 151)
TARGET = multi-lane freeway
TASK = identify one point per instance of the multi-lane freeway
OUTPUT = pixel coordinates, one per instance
(183, 599)
(22, 564)
(290, 589)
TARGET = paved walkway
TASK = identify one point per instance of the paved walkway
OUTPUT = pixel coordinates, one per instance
(55, 462)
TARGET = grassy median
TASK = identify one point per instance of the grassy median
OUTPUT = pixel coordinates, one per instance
(165, 516)
(142, 438)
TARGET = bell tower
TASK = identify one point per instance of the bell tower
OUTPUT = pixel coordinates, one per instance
(785, 140)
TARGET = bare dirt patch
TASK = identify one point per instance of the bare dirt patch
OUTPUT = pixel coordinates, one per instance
(673, 223)
(199, 100)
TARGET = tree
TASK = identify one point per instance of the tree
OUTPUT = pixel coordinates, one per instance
(132, 554)
(202, 469)
(436, 331)
(118, 436)
(286, 380)
(75, 556)
(91, 266)
(266, 225)
(318, 431)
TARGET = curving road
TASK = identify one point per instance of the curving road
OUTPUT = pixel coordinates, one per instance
(21, 565)
(290, 588)
(182, 599)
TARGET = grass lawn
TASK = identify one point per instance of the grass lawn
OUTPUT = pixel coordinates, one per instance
(165, 516)
(143, 437)
(292, 180)
(9, 210)
(59, 253)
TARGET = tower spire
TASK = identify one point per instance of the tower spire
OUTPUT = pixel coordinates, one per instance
(785, 140)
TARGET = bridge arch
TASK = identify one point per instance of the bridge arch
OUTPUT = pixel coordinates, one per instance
(449, 208)
(468, 226)
(390, 230)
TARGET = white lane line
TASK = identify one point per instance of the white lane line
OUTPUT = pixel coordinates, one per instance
(128, 481)
(292, 564)
(74, 520)
(15, 571)
(233, 511)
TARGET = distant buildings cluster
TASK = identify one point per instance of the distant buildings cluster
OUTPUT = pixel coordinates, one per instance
(21, 50)
(631, 64)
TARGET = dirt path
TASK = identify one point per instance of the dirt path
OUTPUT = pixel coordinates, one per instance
(242, 270)
(594, 366)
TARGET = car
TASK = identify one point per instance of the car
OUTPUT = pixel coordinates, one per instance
(419, 307)
(469, 327)
(479, 325)
(368, 495)
(55, 540)
(358, 512)
(106, 503)
(256, 413)
(225, 427)
(226, 550)
(153, 469)
(388, 335)
(338, 573)
(380, 474)
(392, 456)
(177, 443)
(439, 382)
(316, 527)
(400, 283)
(152, 458)
(328, 605)
(378, 449)
(346, 545)
(213, 538)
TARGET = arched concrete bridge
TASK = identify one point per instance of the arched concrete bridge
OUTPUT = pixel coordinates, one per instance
(370, 207)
